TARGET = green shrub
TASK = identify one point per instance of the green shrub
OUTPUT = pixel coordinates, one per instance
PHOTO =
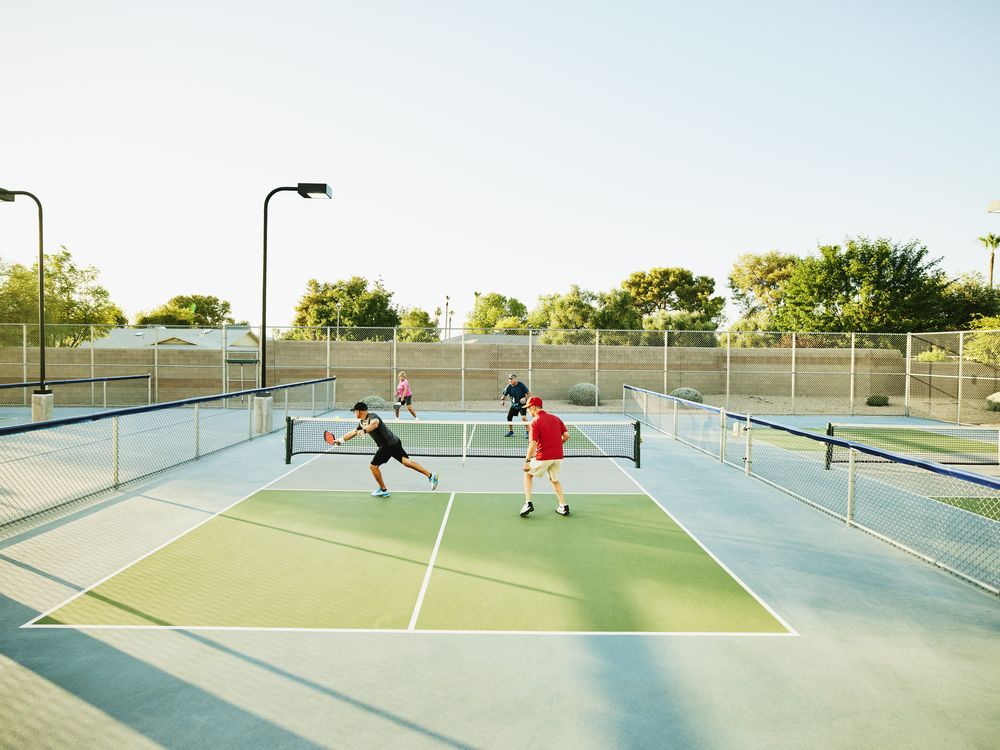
(934, 355)
(376, 402)
(688, 394)
(877, 401)
(993, 402)
(583, 394)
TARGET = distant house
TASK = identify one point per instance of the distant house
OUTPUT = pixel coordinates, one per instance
(238, 338)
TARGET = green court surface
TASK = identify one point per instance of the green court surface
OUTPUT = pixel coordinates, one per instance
(344, 560)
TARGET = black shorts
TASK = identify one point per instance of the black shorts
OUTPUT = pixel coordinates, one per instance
(515, 410)
(404, 401)
(383, 454)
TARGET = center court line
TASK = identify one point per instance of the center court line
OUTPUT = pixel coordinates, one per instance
(430, 566)
(46, 613)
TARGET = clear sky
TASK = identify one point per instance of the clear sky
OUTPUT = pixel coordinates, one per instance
(516, 147)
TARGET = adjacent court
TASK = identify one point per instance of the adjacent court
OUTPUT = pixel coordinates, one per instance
(428, 561)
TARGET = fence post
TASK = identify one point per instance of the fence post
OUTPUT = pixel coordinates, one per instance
(597, 369)
(392, 375)
(312, 389)
(114, 449)
(850, 487)
(748, 451)
(961, 358)
(328, 351)
(197, 432)
(156, 363)
(24, 361)
(93, 366)
(462, 404)
(529, 358)
(149, 390)
(793, 371)
(853, 368)
(225, 365)
(722, 435)
(104, 394)
(666, 360)
(729, 341)
(906, 386)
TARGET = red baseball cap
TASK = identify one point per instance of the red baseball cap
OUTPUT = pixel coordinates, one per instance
(534, 401)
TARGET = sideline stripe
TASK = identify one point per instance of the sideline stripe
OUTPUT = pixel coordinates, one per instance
(46, 613)
(761, 602)
(430, 566)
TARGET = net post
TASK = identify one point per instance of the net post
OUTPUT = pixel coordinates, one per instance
(312, 389)
(636, 445)
(850, 487)
(104, 394)
(961, 356)
(853, 370)
(250, 416)
(114, 450)
(149, 389)
(465, 441)
(829, 447)
(645, 406)
(906, 385)
(674, 425)
(722, 435)
(197, 433)
(288, 439)
(748, 449)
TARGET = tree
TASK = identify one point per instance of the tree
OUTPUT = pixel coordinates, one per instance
(416, 325)
(868, 285)
(984, 347)
(362, 305)
(492, 307)
(991, 242)
(190, 310)
(967, 299)
(566, 316)
(757, 282)
(616, 310)
(674, 289)
(73, 299)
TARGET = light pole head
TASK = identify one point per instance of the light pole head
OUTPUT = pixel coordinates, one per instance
(6, 196)
(994, 207)
(314, 190)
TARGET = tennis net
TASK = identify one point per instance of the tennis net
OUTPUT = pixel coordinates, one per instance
(465, 439)
(943, 444)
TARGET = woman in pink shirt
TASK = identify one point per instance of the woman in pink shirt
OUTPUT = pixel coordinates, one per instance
(404, 396)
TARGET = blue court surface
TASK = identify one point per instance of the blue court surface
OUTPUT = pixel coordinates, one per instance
(875, 649)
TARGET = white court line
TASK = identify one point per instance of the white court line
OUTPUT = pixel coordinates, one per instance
(46, 613)
(761, 602)
(430, 565)
(401, 631)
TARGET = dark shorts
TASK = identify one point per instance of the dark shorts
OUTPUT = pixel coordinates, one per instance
(515, 410)
(383, 454)
(404, 401)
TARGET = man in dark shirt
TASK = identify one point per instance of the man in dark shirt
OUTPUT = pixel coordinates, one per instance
(389, 446)
(518, 393)
(545, 454)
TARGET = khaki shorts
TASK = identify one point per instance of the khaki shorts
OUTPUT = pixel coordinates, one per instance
(540, 468)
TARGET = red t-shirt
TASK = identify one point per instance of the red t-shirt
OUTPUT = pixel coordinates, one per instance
(547, 430)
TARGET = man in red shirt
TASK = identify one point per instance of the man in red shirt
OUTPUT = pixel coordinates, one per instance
(545, 454)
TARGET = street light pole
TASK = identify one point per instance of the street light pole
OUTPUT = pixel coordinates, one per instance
(8, 196)
(306, 190)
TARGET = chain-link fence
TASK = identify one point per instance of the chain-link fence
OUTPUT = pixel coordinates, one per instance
(941, 375)
(46, 466)
(944, 515)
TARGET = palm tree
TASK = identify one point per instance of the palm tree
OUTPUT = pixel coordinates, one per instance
(992, 242)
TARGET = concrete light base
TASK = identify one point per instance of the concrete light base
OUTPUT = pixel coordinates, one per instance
(263, 414)
(42, 406)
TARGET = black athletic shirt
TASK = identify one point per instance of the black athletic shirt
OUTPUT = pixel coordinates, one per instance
(516, 393)
(382, 435)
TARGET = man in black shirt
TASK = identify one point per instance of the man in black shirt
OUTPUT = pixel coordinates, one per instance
(389, 446)
(518, 393)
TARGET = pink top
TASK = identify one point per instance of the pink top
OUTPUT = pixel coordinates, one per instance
(403, 389)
